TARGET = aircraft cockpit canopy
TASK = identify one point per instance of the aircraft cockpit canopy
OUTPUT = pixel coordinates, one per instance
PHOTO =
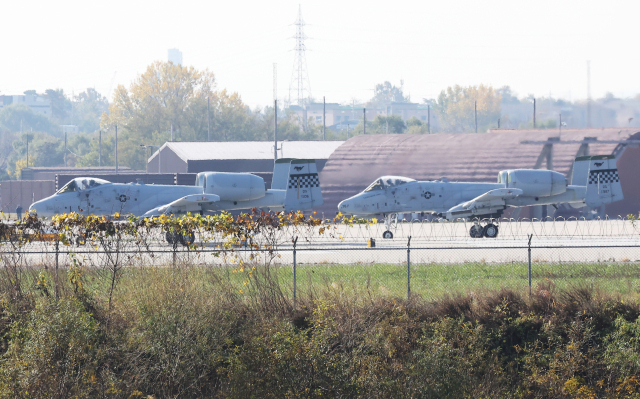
(80, 184)
(387, 182)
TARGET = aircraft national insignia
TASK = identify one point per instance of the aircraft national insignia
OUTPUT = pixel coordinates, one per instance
(122, 198)
(427, 195)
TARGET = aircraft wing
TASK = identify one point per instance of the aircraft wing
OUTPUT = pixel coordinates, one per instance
(189, 203)
(195, 199)
(498, 194)
(488, 203)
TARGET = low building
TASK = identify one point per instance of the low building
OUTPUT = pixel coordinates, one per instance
(14, 193)
(50, 172)
(234, 156)
(38, 104)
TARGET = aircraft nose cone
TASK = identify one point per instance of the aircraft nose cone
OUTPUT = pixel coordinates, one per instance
(39, 208)
(344, 206)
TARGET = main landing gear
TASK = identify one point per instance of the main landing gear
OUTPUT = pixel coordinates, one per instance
(478, 231)
(176, 238)
(390, 222)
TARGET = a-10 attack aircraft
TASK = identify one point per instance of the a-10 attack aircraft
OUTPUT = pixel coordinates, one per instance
(594, 182)
(295, 186)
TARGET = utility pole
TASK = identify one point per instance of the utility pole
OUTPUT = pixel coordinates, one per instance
(116, 150)
(534, 112)
(588, 93)
(475, 114)
(100, 148)
(65, 148)
(208, 122)
(324, 116)
(171, 131)
(498, 123)
(560, 125)
(347, 131)
(28, 149)
(429, 118)
(364, 121)
(387, 118)
(275, 131)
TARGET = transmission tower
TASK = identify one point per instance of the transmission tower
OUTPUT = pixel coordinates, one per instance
(299, 88)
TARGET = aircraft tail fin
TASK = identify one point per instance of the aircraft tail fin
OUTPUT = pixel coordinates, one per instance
(280, 173)
(603, 182)
(580, 171)
(303, 186)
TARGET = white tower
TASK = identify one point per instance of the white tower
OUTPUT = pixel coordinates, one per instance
(175, 56)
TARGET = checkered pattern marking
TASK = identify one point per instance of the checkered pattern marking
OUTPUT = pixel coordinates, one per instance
(605, 176)
(307, 180)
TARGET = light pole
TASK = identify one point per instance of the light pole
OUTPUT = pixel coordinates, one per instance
(153, 146)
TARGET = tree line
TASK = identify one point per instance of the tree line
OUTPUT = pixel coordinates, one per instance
(180, 102)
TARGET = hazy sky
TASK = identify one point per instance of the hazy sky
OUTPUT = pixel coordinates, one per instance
(536, 47)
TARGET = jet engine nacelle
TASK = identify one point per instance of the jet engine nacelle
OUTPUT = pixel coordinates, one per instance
(234, 186)
(536, 183)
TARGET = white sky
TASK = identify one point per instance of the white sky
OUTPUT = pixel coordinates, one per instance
(536, 47)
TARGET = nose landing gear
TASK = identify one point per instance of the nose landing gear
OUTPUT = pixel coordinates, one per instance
(390, 222)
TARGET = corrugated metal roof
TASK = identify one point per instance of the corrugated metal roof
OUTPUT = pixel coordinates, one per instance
(459, 157)
(209, 150)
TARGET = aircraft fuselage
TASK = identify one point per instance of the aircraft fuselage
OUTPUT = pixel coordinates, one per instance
(439, 197)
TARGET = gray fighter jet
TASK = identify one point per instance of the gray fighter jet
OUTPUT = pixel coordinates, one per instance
(594, 182)
(295, 186)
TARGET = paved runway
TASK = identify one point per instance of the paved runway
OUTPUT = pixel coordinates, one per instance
(559, 241)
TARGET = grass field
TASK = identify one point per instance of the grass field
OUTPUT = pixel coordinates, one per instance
(436, 280)
(429, 281)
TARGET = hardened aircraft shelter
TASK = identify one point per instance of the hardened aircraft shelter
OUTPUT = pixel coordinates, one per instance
(478, 158)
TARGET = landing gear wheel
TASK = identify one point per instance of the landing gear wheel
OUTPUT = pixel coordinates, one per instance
(187, 239)
(490, 230)
(476, 231)
(169, 237)
(387, 234)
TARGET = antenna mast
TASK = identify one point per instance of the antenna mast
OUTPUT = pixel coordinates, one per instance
(300, 85)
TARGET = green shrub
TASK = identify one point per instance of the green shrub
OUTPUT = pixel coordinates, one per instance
(57, 351)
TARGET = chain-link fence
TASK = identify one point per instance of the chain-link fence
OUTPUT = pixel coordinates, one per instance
(425, 260)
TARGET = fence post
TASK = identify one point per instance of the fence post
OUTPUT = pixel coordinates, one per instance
(295, 241)
(409, 269)
(175, 249)
(57, 252)
(529, 249)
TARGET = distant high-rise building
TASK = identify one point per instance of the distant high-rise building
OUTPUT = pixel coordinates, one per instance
(175, 56)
